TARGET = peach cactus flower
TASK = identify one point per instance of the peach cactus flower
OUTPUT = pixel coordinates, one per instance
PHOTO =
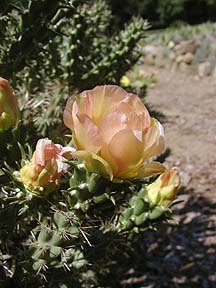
(9, 112)
(162, 191)
(114, 133)
(42, 173)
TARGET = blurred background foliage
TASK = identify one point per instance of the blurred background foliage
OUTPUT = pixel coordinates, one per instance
(162, 13)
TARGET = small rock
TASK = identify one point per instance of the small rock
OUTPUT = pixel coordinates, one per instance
(155, 55)
(188, 58)
(149, 52)
(179, 59)
(204, 69)
(188, 46)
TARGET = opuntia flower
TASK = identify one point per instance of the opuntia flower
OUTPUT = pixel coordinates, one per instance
(162, 191)
(114, 133)
(9, 112)
(41, 175)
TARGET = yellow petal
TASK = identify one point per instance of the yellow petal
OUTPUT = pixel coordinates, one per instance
(126, 149)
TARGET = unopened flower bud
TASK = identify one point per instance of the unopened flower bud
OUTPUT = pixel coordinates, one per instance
(162, 191)
(9, 111)
(41, 175)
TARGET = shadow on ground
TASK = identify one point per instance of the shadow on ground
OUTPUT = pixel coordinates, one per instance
(178, 256)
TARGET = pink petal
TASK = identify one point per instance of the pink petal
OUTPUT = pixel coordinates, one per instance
(105, 152)
(111, 124)
(105, 99)
(153, 140)
(137, 105)
(67, 152)
(137, 122)
(45, 151)
(62, 166)
(87, 134)
(40, 151)
(138, 117)
(67, 116)
(84, 102)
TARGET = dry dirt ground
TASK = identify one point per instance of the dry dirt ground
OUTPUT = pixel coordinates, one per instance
(189, 108)
(183, 255)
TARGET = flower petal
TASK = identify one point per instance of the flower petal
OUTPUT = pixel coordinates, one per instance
(10, 95)
(67, 152)
(126, 149)
(105, 99)
(67, 115)
(153, 140)
(87, 134)
(151, 169)
(107, 155)
(137, 106)
(84, 103)
(45, 150)
(112, 124)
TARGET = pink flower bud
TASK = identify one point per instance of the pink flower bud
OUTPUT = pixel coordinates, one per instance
(41, 175)
(9, 112)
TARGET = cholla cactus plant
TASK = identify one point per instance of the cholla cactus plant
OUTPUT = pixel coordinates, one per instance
(70, 204)
(68, 211)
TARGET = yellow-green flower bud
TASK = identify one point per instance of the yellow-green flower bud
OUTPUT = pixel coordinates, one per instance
(162, 191)
(9, 111)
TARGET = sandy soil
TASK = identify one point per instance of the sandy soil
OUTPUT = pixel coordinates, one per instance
(183, 255)
(189, 108)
